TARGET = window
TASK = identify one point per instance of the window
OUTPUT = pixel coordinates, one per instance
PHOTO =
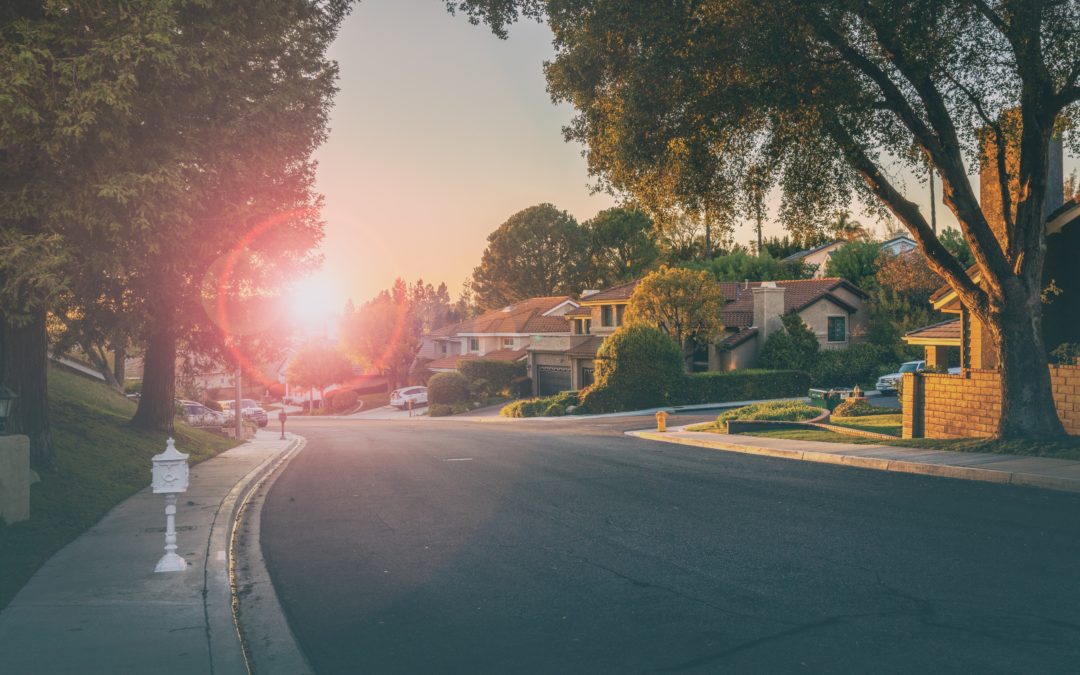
(508, 343)
(587, 326)
(442, 347)
(619, 310)
(474, 344)
(579, 326)
(837, 328)
(605, 316)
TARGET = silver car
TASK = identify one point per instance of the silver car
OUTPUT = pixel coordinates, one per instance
(887, 384)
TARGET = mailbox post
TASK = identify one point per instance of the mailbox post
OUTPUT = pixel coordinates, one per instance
(170, 477)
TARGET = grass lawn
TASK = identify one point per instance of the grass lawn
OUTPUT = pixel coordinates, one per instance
(1065, 449)
(879, 424)
(101, 461)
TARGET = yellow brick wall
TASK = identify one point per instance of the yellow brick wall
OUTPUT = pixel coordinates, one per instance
(969, 405)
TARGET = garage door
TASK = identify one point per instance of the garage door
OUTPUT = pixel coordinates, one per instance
(552, 379)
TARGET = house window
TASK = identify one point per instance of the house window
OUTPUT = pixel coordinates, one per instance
(586, 326)
(442, 347)
(579, 326)
(508, 343)
(837, 329)
(619, 310)
(474, 344)
(605, 316)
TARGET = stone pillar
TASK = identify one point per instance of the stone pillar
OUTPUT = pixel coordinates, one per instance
(14, 478)
(912, 406)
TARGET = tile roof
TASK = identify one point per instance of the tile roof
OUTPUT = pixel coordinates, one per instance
(798, 294)
(451, 362)
(526, 316)
(615, 293)
(586, 347)
(737, 338)
(944, 330)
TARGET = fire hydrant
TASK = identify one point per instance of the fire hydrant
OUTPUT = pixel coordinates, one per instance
(661, 421)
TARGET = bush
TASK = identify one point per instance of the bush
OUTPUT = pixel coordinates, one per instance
(342, 400)
(743, 385)
(448, 388)
(860, 407)
(860, 364)
(537, 407)
(787, 411)
(498, 375)
(1066, 354)
(638, 367)
(794, 348)
(440, 410)
(555, 410)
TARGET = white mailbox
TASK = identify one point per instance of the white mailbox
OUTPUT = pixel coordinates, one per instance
(170, 472)
(170, 476)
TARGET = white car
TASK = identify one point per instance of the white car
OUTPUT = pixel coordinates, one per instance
(401, 398)
(887, 384)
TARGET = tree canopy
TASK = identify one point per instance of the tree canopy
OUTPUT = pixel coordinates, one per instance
(537, 252)
(683, 304)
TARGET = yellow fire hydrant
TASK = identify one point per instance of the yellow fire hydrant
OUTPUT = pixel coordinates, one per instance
(661, 421)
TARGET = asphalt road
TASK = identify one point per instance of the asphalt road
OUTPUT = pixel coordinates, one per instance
(450, 547)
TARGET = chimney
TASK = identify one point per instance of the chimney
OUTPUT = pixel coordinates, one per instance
(989, 187)
(768, 307)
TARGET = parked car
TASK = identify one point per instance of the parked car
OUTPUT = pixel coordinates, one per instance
(887, 384)
(198, 415)
(954, 370)
(249, 408)
(400, 398)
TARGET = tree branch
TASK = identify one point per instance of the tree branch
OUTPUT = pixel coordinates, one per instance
(937, 256)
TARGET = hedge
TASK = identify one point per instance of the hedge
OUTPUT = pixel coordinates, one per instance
(498, 375)
(550, 406)
(342, 400)
(743, 385)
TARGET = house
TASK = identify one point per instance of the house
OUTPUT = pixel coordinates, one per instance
(968, 404)
(501, 334)
(832, 308)
(816, 258)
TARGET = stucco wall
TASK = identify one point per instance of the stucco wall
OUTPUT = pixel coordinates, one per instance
(969, 405)
(816, 316)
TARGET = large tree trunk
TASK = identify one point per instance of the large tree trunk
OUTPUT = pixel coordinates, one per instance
(1027, 400)
(119, 358)
(25, 365)
(157, 399)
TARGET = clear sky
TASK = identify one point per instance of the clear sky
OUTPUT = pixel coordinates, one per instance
(441, 131)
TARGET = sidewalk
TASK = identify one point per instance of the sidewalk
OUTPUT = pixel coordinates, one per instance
(98, 607)
(1054, 474)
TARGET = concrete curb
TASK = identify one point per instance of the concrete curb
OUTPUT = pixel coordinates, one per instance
(220, 593)
(268, 643)
(868, 460)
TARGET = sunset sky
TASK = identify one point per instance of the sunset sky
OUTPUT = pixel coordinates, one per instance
(440, 132)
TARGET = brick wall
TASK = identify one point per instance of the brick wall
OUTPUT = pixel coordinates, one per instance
(969, 405)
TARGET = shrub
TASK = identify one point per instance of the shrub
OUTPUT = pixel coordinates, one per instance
(859, 364)
(536, 407)
(1066, 354)
(342, 400)
(794, 348)
(787, 411)
(743, 385)
(555, 410)
(498, 375)
(440, 410)
(639, 367)
(448, 388)
(860, 407)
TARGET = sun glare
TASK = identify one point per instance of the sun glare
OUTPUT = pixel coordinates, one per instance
(313, 299)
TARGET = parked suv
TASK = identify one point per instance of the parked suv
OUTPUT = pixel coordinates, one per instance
(888, 384)
(198, 415)
(400, 398)
(249, 408)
